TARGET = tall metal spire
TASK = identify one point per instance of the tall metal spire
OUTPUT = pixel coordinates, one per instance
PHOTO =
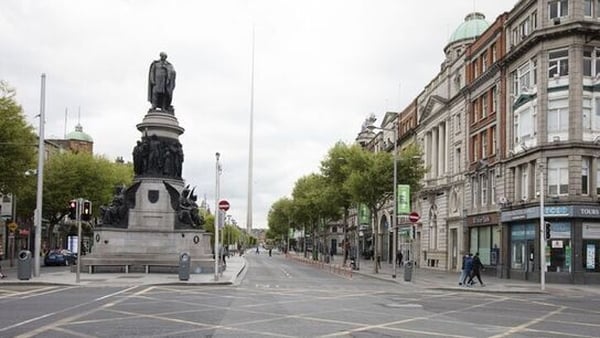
(251, 145)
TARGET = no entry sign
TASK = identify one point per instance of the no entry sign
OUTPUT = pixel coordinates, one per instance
(414, 217)
(223, 205)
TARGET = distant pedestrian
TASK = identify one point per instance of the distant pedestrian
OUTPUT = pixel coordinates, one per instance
(399, 258)
(468, 268)
(270, 252)
(463, 271)
(2, 275)
(477, 268)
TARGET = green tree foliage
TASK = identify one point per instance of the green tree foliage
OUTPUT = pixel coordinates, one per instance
(69, 176)
(280, 218)
(17, 143)
(314, 204)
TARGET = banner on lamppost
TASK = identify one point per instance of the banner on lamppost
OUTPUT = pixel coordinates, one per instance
(403, 199)
(364, 215)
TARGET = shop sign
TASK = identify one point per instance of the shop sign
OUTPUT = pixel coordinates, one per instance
(483, 219)
(588, 212)
(590, 230)
(534, 212)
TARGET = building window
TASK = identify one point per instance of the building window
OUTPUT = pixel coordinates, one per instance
(559, 247)
(494, 141)
(524, 28)
(591, 62)
(457, 121)
(558, 115)
(484, 183)
(524, 126)
(591, 247)
(524, 182)
(476, 148)
(558, 176)
(558, 8)
(475, 190)
(494, 53)
(485, 240)
(588, 7)
(484, 144)
(524, 78)
(484, 62)
(457, 160)
(484, 105)
(558, 63)
(534, 20)
(493, 186)
(585, 174)
(494, 99)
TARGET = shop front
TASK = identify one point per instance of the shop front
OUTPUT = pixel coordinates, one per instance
(484, 236)
(571, 248)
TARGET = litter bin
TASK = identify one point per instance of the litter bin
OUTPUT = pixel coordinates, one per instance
(408, 267)
(24, 265)
(184, 266)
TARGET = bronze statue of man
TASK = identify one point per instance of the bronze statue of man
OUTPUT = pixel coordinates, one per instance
(161, 82)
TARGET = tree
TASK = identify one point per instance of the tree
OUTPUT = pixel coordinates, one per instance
(17, 143)
(280, 218)
(371, 182)
(336, 170)
(68, 176)
(314, 205)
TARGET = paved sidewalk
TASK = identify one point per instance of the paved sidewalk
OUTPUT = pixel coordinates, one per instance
(235, 267)
(444, 280)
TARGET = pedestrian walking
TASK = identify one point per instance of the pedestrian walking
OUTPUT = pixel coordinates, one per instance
(2, 275)
(463, 271)
(477, 268)
(399, 258)
(468, 268)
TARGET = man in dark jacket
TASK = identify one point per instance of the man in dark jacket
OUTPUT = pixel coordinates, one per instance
(477, 267)
(468, 268)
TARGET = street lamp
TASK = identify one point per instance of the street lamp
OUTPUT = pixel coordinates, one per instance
(395, 216)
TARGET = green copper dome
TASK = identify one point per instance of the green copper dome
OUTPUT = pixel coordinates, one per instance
(473, 26)
(79, 135)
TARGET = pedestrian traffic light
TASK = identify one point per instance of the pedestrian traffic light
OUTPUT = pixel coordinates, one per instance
(548, 229)
(73, 209)
(86, 212)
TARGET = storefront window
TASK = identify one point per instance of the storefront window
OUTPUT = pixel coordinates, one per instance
(520, 236)
(485, 240)
(558, 248)
(591, 247)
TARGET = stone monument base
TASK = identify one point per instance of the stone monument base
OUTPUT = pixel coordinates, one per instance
(127, 250)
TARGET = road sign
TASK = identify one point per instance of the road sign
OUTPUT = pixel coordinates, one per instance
(12, 226)
(223, 205)
(414, 217)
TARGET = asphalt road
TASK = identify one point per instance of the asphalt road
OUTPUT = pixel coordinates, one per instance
(283, 298)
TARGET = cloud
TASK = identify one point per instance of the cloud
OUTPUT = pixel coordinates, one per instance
(320, 68)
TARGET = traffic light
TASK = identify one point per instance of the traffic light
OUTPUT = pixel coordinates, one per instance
(86, 212)
(73, 209)
(548, 230)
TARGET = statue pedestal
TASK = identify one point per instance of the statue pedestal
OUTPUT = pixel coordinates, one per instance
(154, 236)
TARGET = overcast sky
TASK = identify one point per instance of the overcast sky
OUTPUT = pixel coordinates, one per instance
(321, 67)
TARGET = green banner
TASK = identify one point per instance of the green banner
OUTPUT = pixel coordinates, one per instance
(403, 199)
(364, 215)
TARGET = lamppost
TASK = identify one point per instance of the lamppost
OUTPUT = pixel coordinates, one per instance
(395, 216)
(542, 231)
(217, 214)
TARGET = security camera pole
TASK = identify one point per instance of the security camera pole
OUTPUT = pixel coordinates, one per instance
(217, 212)
(542, 232)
